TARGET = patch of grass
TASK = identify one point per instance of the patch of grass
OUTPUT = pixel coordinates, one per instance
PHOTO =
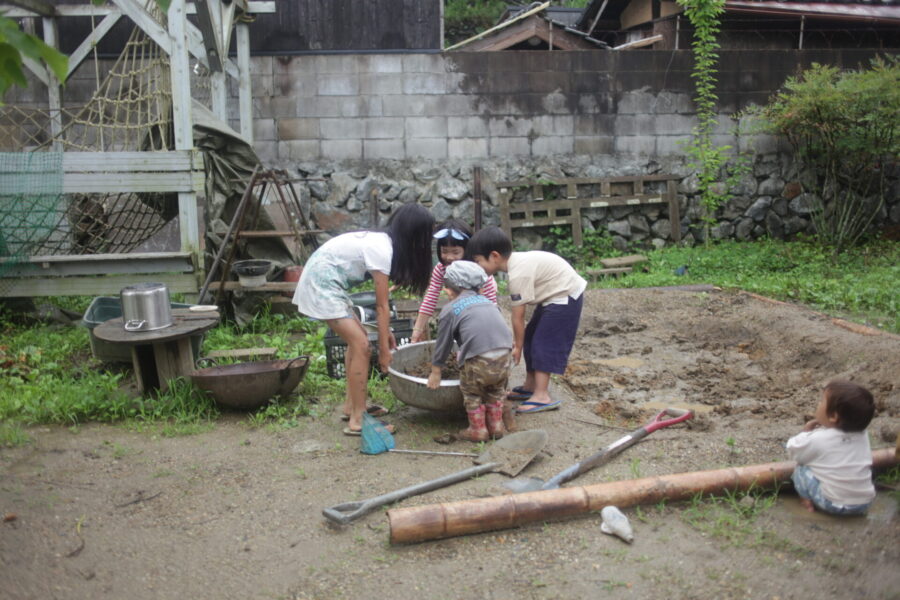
(13, 435)
(891, 477)
(732, 518)
(635, 467)
(859, 284)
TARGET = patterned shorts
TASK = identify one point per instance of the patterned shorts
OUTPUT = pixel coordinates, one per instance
(483, 380)
(807, 486)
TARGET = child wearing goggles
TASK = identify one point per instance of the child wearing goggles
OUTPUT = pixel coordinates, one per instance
(452, 237)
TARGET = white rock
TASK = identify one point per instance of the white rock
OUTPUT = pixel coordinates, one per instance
(616, 523)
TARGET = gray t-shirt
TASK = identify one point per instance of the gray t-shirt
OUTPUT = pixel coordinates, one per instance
(475, 323)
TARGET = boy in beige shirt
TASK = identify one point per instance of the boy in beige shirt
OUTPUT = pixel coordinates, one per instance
(549, 282)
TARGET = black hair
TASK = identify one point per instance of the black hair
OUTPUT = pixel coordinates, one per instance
(489, 239)
(851, 403)
(450, 241)
(410, 228)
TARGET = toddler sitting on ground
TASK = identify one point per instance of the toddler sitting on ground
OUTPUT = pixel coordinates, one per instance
(834, 460)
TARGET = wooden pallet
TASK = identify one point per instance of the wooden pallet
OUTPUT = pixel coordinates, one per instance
(542, 211)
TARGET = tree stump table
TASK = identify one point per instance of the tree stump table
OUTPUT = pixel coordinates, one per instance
(163, 354)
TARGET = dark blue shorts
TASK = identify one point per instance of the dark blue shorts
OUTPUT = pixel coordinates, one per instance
(550, 334)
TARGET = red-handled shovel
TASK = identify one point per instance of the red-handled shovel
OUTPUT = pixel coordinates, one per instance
(531, 484)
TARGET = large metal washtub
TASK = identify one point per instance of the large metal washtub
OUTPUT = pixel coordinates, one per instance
(414, 390)
(249, 385)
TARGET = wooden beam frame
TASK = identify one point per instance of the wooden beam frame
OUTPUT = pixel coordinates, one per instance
(97, 34)
(123, 172)
(37, 7)
(179, 171)
(17, 9)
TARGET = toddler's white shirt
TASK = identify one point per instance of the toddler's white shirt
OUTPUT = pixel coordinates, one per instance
(840, 460)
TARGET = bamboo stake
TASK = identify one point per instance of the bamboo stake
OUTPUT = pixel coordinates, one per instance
(449, 519)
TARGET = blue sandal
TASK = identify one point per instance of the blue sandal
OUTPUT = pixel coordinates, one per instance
(519, 393)
(538, 406)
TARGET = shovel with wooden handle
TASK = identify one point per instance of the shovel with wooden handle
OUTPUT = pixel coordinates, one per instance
(508, 455)
(531, 484)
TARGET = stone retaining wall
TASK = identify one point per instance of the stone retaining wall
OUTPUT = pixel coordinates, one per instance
(767, 200)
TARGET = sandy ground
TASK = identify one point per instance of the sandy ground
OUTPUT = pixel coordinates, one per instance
(103, 512)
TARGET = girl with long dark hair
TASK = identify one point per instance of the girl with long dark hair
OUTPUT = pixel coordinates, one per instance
(401, 254)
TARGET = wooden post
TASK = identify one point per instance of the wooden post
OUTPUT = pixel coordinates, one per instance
(574, 212)
(179, 66)
(373, 209)
(53, 94)
(505, 194)
(245, 94)
(476, 193)
(674, 213)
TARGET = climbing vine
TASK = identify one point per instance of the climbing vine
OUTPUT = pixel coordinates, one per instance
(708, 159)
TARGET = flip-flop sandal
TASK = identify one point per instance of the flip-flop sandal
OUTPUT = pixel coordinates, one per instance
(519, 393)
(538, 407)
(358, 432)
(374, 410)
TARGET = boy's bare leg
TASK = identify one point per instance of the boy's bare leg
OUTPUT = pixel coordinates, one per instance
(541, 385)
(529, 381)
(807, 504)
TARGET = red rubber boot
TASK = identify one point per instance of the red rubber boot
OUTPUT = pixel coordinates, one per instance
(477, 430)
(495, 424)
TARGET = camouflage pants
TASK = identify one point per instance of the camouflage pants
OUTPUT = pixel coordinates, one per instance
(483, 380)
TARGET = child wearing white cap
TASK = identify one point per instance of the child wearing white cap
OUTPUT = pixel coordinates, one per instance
(484, 341)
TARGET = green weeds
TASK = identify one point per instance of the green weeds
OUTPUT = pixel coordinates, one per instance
(732, 518)
(891, 478)
(12, 435)
(860, 284)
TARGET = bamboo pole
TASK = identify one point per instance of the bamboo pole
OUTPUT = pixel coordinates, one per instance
(449, 519)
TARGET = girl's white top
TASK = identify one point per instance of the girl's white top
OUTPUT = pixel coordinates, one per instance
(339, 264)
(840, 460)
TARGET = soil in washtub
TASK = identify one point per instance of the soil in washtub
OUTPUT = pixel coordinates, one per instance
(450, 370)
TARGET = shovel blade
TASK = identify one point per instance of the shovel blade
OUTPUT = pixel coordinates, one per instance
(514, 451)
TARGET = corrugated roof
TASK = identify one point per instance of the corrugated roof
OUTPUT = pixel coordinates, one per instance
(874, 10)
(826, 10)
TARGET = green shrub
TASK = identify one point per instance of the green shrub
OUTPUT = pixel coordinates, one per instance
(845, 129)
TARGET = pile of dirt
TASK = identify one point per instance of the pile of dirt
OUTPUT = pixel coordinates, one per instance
(450, 370)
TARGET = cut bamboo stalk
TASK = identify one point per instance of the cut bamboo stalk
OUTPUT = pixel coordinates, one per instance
(449, 519)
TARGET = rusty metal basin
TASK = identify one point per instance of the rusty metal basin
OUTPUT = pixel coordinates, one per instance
(249, 385)
(414, 390)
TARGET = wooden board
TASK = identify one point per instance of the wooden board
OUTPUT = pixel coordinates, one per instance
(243, 353)
(598, 273)
(623, 261)
(103, 285)
(270, 286)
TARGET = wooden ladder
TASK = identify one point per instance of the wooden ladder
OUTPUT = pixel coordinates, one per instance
(248, 211)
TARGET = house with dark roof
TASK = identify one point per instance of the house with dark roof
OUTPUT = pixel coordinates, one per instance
(748, 24)
(538, 26)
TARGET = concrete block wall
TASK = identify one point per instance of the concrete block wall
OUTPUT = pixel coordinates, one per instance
(504, 104)
(491, 105)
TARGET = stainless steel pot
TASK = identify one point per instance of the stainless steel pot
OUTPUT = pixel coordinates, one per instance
(146, 306)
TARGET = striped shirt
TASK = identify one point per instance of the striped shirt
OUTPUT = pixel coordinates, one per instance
(429, 302)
